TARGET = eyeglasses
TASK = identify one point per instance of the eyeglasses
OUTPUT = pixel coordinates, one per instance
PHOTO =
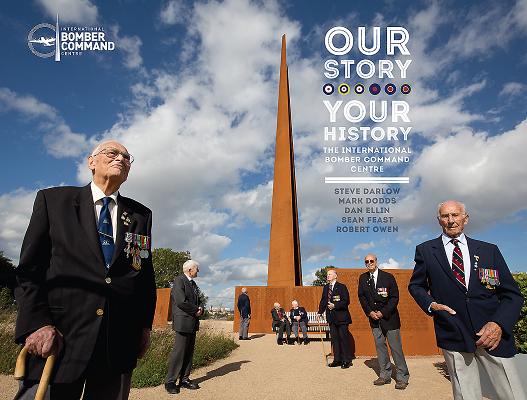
(369, 261)
(114, 153)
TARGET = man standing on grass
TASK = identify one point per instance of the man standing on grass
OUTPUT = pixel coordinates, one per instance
(186, 311)
(85, 284)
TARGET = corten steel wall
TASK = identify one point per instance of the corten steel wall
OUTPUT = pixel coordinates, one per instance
(163, 308)
(417, 329)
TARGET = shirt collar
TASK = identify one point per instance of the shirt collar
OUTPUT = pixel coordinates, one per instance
(188, 277)
(98, 194)
(446, 239)
(375, 273)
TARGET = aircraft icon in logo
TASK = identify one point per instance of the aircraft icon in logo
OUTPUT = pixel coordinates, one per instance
(45, 41)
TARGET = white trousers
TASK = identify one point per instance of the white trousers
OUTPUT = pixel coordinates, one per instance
(463, 369)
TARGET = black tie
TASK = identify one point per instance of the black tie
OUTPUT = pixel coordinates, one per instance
(196, 290)
(371, 282)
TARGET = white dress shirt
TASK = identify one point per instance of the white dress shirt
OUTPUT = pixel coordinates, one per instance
(98, 195)
(449, 250)
(375, 275)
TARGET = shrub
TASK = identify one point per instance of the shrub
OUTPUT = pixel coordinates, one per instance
(520, 330)
(9, 349)
(152, 368)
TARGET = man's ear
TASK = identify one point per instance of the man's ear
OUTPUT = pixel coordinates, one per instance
(91, 163)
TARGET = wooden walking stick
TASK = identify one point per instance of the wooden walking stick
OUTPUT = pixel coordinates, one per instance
(322, 340)
(20, 372)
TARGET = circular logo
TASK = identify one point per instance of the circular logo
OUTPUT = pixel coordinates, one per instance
(41, 40)
(328, 89)
(344, 89)
(390, 88)
(406, 88)
(375, 89)
(359, 88)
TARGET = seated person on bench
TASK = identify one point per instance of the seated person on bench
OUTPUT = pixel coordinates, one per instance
(280, 323)
(298, 316)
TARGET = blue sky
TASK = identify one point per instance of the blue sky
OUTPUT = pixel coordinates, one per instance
(191, 90)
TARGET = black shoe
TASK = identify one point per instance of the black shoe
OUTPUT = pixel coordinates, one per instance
(279, 342)
(240, 338)
(306, 341)
(334, 364)
(172, 388)
(246, 338)
(346, 364)
(289, 341)
(187, 383)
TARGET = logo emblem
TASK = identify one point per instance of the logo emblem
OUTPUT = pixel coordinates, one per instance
(375, 89)
(328, 89)
(359, 88)
(344, 89)
(390, 88)
(405, 88)
(42, 40)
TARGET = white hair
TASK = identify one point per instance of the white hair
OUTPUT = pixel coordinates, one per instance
(450, 201)
(244, 290)
(294, 302)
(277, 304)
(101, 145)
(189, 264)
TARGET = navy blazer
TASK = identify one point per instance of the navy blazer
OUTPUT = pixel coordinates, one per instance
(433, 280)
(244, 305)
(384, 299)
(340, 315)
(301, 311)
(62, 280)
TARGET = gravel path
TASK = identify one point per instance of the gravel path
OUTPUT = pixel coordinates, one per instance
(260, 369)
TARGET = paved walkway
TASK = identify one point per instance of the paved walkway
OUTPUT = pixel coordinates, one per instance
(260, 369)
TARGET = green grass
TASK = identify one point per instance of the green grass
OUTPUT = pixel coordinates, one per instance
(8, 349)
(152, 369)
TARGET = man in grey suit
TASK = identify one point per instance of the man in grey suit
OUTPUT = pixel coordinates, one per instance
(186, 311)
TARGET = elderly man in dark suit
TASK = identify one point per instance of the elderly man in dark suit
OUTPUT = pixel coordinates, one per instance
(334, 302)
(244, 308)
(281, 323)
(466, 286)
(378, 296)
(299, 319)
(186, 310)
(86, 289)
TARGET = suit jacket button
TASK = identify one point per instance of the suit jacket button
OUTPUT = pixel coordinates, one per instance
(108, 280)
(99, 312)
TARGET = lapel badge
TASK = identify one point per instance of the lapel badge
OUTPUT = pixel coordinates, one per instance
(125, 218)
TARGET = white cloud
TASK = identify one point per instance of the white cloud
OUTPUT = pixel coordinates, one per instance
(513, 89)
(316, 253)
(390, 264)
(173, 12)
(130, 46)
(15, 210)
(81, 12)
(243, 269)
(59, 140)
(254, 204)
(475, 168)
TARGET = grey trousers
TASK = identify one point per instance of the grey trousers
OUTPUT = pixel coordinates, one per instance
(180, 361)
(385, 366)
(464, 374)
(108, 387)
(244, 327)
(303, 327)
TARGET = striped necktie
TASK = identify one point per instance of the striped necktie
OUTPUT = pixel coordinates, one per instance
(457, 262)
(106, 231)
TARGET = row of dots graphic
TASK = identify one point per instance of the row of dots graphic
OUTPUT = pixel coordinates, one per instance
(359, 88)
